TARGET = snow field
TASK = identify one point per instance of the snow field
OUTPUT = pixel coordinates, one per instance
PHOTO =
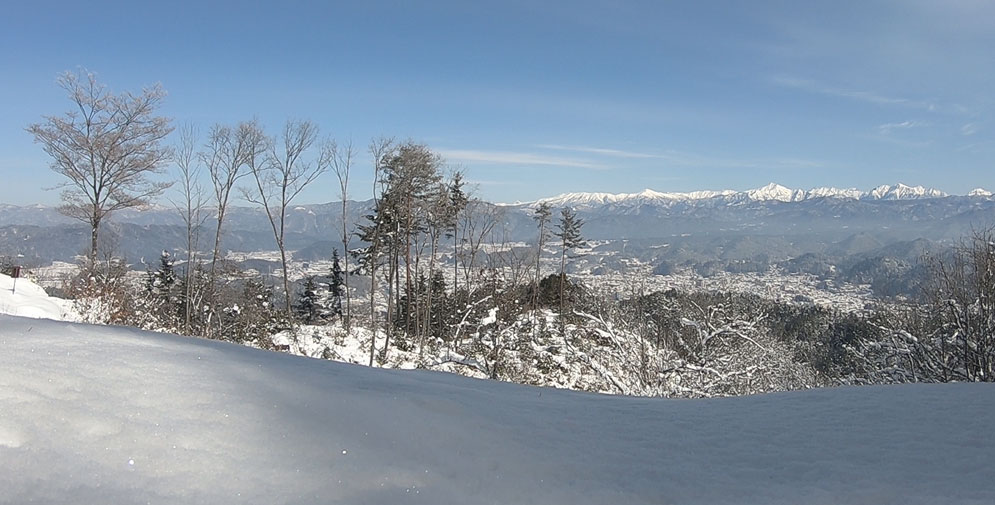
(92, 414)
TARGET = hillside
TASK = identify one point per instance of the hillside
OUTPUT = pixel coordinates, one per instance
(113, 415)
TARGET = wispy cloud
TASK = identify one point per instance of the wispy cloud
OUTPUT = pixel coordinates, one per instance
(969, 129)
(677, 158)
(600, 151)
(852, 94)
(887, 128)
(517, 158)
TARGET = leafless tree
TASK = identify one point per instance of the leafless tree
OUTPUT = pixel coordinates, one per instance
(542, 216)
(379, 149)
(282, 177)
(228, 151)
(191, 210)
(961, 297)
(477, 222)
(342, 164)
(107, 147)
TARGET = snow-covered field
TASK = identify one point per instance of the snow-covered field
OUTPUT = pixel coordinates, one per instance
(96, 414)
(22, 297)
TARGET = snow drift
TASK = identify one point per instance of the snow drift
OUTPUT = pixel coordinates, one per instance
(92, 414)
(22, 297)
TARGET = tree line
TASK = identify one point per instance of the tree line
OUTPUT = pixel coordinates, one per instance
(497, 311)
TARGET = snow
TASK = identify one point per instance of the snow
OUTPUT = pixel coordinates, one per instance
(902, 192)
(777, 192)
(25, 298)
(93, 414)
(770, 192)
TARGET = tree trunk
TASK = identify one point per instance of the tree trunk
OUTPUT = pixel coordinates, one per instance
(94, 228)
(373, 306)
(563, 259)
(286, 278)
(347, 320)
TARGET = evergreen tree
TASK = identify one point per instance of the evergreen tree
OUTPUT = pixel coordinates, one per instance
(308, 305)
(458, 200)
(160, 305)
(162, 279)
(568, 231)
(336, 285)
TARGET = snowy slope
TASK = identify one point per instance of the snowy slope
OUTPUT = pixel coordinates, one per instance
(94, 414)
(25, 298)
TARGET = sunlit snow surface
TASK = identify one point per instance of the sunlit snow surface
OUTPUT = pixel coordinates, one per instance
(21, 297)
(93, 414)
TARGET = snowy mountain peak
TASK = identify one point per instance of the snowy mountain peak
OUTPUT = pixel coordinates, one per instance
(981, 192)
(770, 192)
(903, 192)
(777, 192)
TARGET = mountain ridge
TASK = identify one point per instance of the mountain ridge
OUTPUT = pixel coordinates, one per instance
(770, 192)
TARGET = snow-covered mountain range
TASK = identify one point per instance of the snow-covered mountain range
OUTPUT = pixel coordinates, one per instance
(770, 192)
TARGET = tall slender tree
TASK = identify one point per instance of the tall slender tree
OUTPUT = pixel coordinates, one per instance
(458, 200)
(342, 165)
(568, 231)
(228, 151)
(191, 210)
(282, 176)
(542, 215)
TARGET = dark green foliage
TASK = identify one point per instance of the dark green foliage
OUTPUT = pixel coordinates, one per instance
(248, 315)
(550, 290)
(336, 285)
(308, 307)
(568, 229)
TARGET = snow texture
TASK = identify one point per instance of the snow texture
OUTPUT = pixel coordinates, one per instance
(22, 297)
(96, 414)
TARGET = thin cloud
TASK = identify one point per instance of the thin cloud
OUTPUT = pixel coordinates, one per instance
(887, 128)
(599, 150)
(858, 95)
(517, 158)
(685, 159)
(969, 129)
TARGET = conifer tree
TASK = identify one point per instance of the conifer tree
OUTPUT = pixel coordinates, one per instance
(568, 231)
(336, 285)
(309, 303)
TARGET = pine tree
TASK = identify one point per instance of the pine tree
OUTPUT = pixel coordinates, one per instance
(568, 231)
(308, 305)
(162, 279)
(160, 305)
(458, 200)
(336, 285)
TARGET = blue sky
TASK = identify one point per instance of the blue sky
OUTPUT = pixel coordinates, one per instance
(538, 98)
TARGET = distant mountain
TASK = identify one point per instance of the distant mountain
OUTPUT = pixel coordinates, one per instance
(770, 192)
(781, 220)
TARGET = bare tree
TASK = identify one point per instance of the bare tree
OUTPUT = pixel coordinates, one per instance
(379, 149)
(542, 215)
(228, 150)
(960, 292)
(282, 176)
(342, 164)
(191, 210)
(107, 147)
(478, 220)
